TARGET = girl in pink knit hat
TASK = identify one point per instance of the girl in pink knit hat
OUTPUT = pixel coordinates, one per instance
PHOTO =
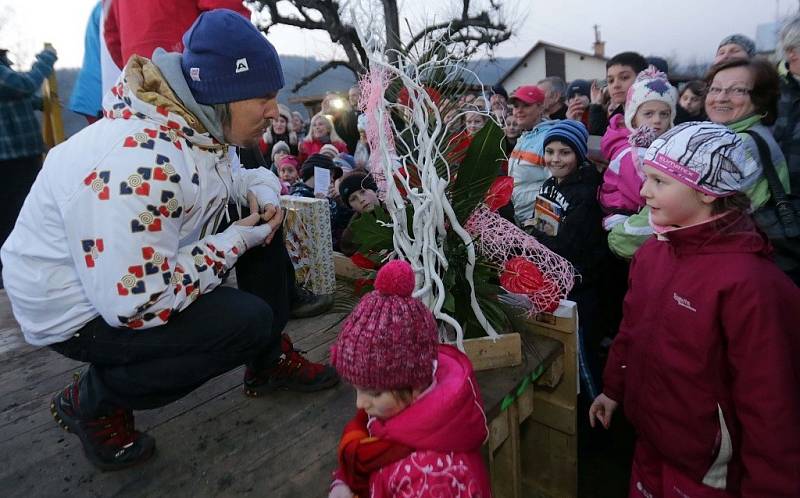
(420, 422)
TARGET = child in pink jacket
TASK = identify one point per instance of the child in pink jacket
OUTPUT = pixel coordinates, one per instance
(649, 112)
(420, 422)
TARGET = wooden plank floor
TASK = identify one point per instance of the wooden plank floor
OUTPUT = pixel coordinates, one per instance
(214, 442)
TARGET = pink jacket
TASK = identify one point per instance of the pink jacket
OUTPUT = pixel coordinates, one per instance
(447, 426)
(619, 193)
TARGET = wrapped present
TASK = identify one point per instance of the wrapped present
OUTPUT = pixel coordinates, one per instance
(307, 229)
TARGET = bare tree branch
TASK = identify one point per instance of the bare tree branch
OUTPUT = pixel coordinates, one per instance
(319, 71)
(323, 15)
(482, 20)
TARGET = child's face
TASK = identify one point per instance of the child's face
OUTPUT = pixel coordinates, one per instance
(673, 203)
(656, 115)
(474, 122)
(691, 102)
(511, 129)
(620, 78)
(379, 404)
(560, 159)
(288, 173)
(278, 156)
(363, 201)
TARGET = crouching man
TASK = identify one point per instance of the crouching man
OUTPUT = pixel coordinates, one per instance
(116, 259)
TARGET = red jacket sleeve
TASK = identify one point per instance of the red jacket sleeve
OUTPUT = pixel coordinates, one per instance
(760, 319)
(111, 33)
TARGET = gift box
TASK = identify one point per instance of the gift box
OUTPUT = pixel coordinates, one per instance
(307, 230)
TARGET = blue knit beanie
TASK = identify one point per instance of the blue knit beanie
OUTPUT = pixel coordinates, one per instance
(225, 59)
(572, 133)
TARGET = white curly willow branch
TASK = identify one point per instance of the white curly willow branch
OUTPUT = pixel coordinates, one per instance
(423, 243)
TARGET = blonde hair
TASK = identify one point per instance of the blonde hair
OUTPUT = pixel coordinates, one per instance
(334, 137)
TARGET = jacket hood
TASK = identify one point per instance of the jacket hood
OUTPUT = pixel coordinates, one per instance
(143, 92)
(615, 140)
(732, 232)
(448, 417)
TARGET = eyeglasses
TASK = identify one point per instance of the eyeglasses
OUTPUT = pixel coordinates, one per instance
(733, 92)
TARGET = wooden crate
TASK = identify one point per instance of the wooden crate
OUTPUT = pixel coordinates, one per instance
(487, 353)
(549, 442)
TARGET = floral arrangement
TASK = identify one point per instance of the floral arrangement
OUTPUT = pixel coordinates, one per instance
(441, 210)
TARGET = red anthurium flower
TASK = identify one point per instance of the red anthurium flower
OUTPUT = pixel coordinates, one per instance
(362, 261)
(499, 193)
(403, 97)
(548, 287)
(520, 276)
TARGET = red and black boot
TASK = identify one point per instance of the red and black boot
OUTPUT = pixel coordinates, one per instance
(110, 442)
(293, 372)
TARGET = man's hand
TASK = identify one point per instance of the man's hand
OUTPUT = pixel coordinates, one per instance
(602, 409)
(272, 216)
(268, 214)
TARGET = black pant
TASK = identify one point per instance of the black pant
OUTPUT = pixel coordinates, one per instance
(18, 176)
(223, 329)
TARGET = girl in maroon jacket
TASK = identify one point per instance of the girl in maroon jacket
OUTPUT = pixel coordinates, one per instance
(705, 359)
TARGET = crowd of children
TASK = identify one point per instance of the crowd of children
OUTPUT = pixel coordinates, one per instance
(702, 359)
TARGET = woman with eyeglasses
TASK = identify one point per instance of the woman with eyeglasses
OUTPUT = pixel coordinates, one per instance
(743, 95)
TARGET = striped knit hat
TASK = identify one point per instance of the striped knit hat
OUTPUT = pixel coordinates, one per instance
(706, 156)
(572, 133)
(390, 340)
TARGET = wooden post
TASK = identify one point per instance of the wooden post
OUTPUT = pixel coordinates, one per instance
(505, 465)
(52, 124)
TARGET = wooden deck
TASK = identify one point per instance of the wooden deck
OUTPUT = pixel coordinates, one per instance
(214, 442)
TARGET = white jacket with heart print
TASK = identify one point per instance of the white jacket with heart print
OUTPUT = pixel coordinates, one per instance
(121, 220)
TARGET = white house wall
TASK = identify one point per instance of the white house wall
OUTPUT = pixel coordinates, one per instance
(526, 73)
(576, 66)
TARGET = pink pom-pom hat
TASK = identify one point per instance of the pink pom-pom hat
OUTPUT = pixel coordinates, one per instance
(390, 339)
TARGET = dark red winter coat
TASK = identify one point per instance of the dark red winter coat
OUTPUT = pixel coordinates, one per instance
(708, 354)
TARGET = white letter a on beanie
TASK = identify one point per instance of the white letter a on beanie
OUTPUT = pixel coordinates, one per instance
(241, 65)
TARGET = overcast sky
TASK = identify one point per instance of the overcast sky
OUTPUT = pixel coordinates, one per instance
(687, 29)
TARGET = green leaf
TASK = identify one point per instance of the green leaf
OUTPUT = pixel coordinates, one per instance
(371, 235)
(477, 171)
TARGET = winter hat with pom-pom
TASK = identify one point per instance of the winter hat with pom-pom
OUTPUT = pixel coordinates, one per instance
(390, 339)
(650, 84)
